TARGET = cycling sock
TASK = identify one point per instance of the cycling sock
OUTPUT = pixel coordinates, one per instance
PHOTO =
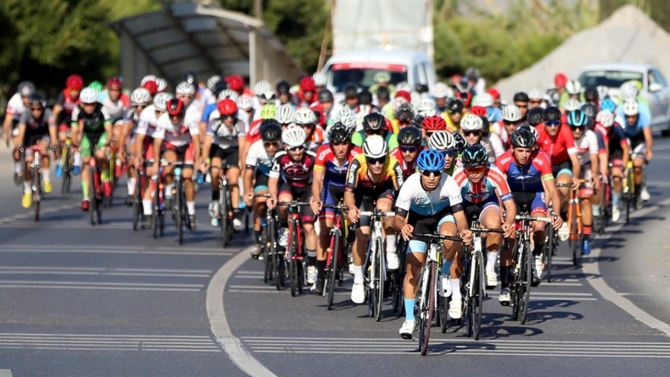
(311, 257)
(492, 259)
(538, 250)
(455, 288)
(104, 176)
(264, 221)
(596, 209)
(257, 234)
(564, 215)
(616, 197)
(168, 190)
(131, 186)
(504, 276)
(46, 174)
(27, 187)
(390, 244)
(358, 274)
(320, 269)
(146, 205)
(446, 267)
(216, 195)
(190, 206)
(409, 309)
(236, 213)
(77, 159)
(587, 231)
(84, 188)
(17, 167)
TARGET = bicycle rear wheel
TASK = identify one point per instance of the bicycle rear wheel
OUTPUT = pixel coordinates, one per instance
(527, 276)
(478, 302)
(380, 279)
(267, 256)
(37, 191)
(93, 197)
(293, 262)
(333, 269)
(549, 251)
(65, 161)
(179, 216)
(223, 210)
(469, 303)
(427, 311)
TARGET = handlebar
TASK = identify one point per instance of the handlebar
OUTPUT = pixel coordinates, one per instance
(293, 204)
(377, 213)
(339, 207)
(486, 230)
(533, 218)
(440, 237)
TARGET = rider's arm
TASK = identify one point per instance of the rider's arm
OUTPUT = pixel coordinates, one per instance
(351, 181)
(275, 173)
(648, 139)
(207, 145)
(594, 151)
(551, 194)
(108, 126)
(504, 193)
(317, 183)
(7, 125)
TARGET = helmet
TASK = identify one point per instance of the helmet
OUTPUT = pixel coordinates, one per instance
(475, 155)
(383, 92)
(531, 129)
(160, 100)
(511, 113)
(175, 107)
(629, 90)
(267, 96)
(147, 78)
(96, 85)
(630, 107)
(421, 88)
(434, 123)
(374, 122)
(307, 84)
(426, 107)
(521, 97)
(403, 94)
(347, 117)
(74, 82)
(560, 80)
(535, 94)
(382, 76)
(608, 105)
(235, 82)
(572, 104)
(37, 99)
(472, 73)
(441, 141)
(185, 88)
(495, 94)
(430, 160)
(375, 147)
(417, 121)
(245, 102)
(591, 94)
(577, 118)
(472, 122)
(523, 138)
(115, 83)
(262, 87)
(161, 84)
(483, 100)
(304, 116)
(211, 82)
(228, 93)
(26, 88)
(404, 113)
(151, 86)
(325, 95)
(589, 110)
(602, 91)
(409, 136)
(190, 77)
(339, 133)
(573, 87)
(454, 105)
(285, 114)
(459, 142)
(293, 137)
(270, 130)
(227, 107)
(535, 116)
(88, 95)
(269, 111)
(552, 113)
(364, 97)
(440, 90)
(605, 118)
(283, 87)
(140, 96)
(350, 91)
(319, 79)
(479, 111)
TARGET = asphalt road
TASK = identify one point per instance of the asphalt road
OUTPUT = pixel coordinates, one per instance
(77, 300)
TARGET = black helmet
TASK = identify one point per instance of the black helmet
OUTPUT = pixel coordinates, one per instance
(270, 131)
(417, 121)
(404, 113)
(523, 138)
(475, 155)
(350, 91)
(374, 122)
(459, 142)
(421, 88)
(590, 110)
(472, 73)
(37, 99)
(283, 87)
(339, 134)
(454, 105)
(220, 86)
(591, 94)
(521, 97)
(384, 93)
(325, 95)
(190, 78)
(552, 113)
(365, 97)
(535, 116)
(409, 136)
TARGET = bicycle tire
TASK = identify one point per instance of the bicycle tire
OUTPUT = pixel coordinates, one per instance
(381, 278)
(431, 310)
(549, 251)
(267, 257)
(301, 277)
(138, 211)
(156, 210)
(444, 314)
(333, 270)
(468, 302)
(179, 216)
(478, 304)
(293, 268)
(37, 192)
(66, 171)
(93, 202)
(528, 278)
(223, 211)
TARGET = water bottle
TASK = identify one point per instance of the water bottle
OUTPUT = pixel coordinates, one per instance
(200, 178)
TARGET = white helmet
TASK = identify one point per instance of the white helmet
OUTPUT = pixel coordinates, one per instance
(262, 87)
(426, 107)
(572, 104)
(161, 84)
(285, 114)
(629, 90)
(630, 107)
(441, 90)
(441, 141)
(185, 88)
(160, 100)
(602, 91)
(483, 100)
(319, 79)
(605, 118)
(211, 82)
(511, 113)
(536, 94)
(140, 96)
(304, 116)
(245, 102)
(346, 117)
(403, 85)
(375, 147)
(88, 95)
(227, 93)
(573, 87)
(472, 122)
(148, 78)
(293, 137)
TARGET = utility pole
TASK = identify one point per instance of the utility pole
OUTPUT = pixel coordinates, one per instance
(258, 9)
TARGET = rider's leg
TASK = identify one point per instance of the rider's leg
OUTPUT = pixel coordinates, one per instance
(452, 252)
(416, 255)
(233, 174)
(215, 172)
(386, 205)
(564, 176)
(490, 217)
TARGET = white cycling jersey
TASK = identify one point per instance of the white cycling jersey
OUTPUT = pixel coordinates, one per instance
(177, 135)
(15, 107)
(225, 137)
(242, 116)
(115, 110)
(257, 158)
(412, 196)
(148, 122)
(586, 146)
(193, 113)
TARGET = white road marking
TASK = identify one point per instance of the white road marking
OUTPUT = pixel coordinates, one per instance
(101, 271)
(5, 373)
(107, 250)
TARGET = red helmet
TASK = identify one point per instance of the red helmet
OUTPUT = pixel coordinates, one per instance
(479, 111)
(494, 93)
(74, 82)
(151, 86)
(307, 84)
(404, 94)
(114, 83)
(227, 107)
(235, 82)
(175, 106)
(560, 80)
(434, 123)
(456, 80)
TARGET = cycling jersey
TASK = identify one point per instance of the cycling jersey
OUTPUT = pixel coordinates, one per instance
(175, 135)
(643, 108)
(358, 138)
(15, 107)
(116, 109)
(297, 174)
(207, 111)
(36, 129)
(193, 112)
(334, 174)
(634, 131)
(95, 122)
(254, 133)
(225, 137)
(616, 139)
(528, 177)
(586, 146)
(451, 126)
(560, 146)
(147, 122)
(408, 168)
(316, 139)
(67, 102)
(358, 175)
(414, 198)
(484, 190)
(257, 158)
(242, 116)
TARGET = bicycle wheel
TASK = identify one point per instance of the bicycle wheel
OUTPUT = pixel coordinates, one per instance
(293, 262)
(267, 255)
(528, 278)
(301, 276)
(93, 197)
(469, 299)
(223, 210)
(156, 209)
(427, 310)
(380, 279)
(37, 192)
(179, 216)
(444, 314)
(549, 251)
(65, 158)
(333, 269)
(478, 301)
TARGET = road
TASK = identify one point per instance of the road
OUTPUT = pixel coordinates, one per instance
(77, 300)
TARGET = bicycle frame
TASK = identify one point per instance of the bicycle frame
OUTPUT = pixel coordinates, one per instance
(376, 275)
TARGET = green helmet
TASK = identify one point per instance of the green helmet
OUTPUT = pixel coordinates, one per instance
(268, 111)
(96, 85)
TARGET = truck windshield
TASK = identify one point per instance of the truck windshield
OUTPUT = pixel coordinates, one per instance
(362, 74)
(610, 79)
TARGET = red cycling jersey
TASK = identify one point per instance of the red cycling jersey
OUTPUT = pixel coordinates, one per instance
(254, 133)
(407, 167)
(559, 147)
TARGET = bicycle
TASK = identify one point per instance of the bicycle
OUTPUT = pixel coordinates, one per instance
(269, 242)
(605, 205)
(629, 194)
(225, 208)
(575, 223)
(397, 278)
(67, 164)
(179, 209)
(295, 248)
(137, 208)
(427, 303)
(96, 195)
(549, 250)
(335, 254)
(375, 263)
(157, 202)
(36, 175)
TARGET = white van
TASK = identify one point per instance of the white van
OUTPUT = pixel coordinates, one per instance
(360, 66)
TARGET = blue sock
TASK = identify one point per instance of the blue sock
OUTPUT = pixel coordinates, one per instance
(446, 266)
(409, 309)
(264, 221)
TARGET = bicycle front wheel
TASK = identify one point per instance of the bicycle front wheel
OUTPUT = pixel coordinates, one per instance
(549, 251)
(223, 210)
(37, 192)
(527, 274)
(380, 279)
(333, 269)
(427, 310)
(179, 216)
(478, 298)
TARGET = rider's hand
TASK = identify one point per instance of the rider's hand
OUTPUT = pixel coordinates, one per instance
(466, 235)
(248, 198)
(558, 221)
(272, 202)
(153, 169)
(575, 183)
(648, 155)
(508, 229)
(406, 232)
(315, 205)
(354, 214)
(5, 135)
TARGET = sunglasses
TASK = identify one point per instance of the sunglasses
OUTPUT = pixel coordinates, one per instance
(375, 161)
(553, 123)
(428, 173)
(271, 144)
(449, 153)
(36, 109)
(522, 106)
(226, 117)
(408, 149)
(373, 132)
(536, 102)
(475, 169)
(471, 133)
(576, 128)
(298, 148)
(339, 143)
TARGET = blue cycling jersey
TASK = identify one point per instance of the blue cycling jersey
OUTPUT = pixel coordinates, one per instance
(209, 109)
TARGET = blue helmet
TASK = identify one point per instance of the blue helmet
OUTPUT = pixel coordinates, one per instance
(430, 160)
(608, 105)
(577, 118)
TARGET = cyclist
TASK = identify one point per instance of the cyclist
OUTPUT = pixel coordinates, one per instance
(521, 101)
(67, 101)
(330, 170)
(586, 142)
(454, 114)
(637, 128)
(444, 142)
(618, 154)
(179, 142)
(16, 107)
(257, 173)
(383, 101)
(285, 115)
(574, 89)
(535, 98)
(372, 179)
(403, 116)
(513, 117)
(440, 94)
(223, 142)
(305, 118)
(429, 202)
(350, 97)
(36, 128)
(92, 132)
(432, 124)
(306, 92)
(481, 185)
(374, 124)
(410, 140)
(472, 128)
(529, 177)
(140, 99)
